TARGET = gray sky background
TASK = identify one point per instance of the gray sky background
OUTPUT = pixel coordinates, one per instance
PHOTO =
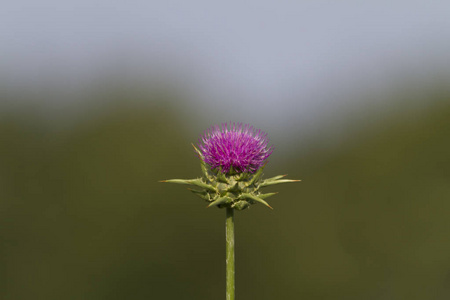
(280, 60)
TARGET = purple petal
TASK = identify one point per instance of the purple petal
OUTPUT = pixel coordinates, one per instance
(235, 145)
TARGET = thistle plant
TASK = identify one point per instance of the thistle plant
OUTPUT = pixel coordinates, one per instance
(232, 160)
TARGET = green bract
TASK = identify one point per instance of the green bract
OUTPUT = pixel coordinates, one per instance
(232, 189)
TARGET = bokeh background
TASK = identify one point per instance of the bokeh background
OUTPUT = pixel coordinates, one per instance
(101, 99)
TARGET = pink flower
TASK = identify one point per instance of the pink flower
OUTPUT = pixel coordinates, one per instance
(236, 146)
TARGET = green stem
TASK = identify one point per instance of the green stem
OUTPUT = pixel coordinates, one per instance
(230, 253)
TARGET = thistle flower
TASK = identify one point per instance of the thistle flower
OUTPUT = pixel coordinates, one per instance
(235, 147)
(232, 159)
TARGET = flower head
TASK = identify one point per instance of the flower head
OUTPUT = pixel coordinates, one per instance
(236, 154)
(237, 146)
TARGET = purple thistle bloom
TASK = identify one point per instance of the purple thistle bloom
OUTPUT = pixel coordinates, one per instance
(239, 146)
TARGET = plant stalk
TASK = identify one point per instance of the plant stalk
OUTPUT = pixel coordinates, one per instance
(230, 252)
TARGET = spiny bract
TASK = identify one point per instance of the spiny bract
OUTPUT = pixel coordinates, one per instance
(232, 162)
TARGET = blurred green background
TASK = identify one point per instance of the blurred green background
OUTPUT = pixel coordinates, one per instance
(83, 216)
(101, 100)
